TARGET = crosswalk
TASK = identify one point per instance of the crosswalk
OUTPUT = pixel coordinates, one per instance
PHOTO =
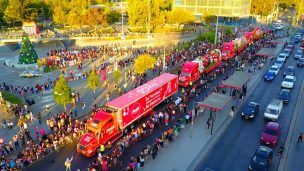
(46, 99)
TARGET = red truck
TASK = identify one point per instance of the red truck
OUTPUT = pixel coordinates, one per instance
(228, 51)
(257, 33)
(249, 36)
(108, 124)
(191, 71)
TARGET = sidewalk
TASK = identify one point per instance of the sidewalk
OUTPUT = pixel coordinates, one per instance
(189, 150)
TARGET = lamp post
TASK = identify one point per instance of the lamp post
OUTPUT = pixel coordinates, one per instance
(122, 20)
(299, 11)
(149, 19)
(164, 59)
(216, 28)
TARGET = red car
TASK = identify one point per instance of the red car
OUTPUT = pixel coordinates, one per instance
(271, 134)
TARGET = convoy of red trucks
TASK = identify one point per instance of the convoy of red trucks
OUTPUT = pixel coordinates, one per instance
(230, 49)
(108, 124)
(192, 70)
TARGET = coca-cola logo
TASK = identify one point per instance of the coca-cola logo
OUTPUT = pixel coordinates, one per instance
(135, 111)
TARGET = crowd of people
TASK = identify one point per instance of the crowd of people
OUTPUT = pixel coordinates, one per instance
(23, 149)
(28, 147)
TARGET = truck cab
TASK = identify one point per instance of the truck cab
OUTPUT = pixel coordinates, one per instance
(273, 110)
(102, 128)
(190, 72)
(249, 36)
(228, 51)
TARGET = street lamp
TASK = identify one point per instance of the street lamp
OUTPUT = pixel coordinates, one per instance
(122, 20)
(164, 59)
(149, 19)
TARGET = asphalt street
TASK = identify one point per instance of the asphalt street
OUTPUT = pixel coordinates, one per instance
(233, 151)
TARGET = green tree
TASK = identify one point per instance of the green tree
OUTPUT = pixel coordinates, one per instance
(180, 16)
(228, 31)
(143, 63)
(28, 54)
(116, 75)
(20, 10)
(62, 92)
(93, 82)
(3, 5)
(138, 13)
(113, 16)
(209, 37)
(262, 7)
(209, 18)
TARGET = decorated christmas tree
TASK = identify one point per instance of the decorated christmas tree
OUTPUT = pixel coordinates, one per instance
(28, 54)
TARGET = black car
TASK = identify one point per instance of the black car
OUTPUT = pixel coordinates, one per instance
(290, 70)
(284, 95)
(261, 159)
(250, 110)
(301, 62)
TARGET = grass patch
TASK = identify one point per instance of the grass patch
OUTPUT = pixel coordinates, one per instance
(12, 98)
(47, 69)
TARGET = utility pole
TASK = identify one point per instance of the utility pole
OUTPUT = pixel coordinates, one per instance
(122, 21)
(164, 59)
(149, 19)
(216, 28)
(299, 11)
(217, 21)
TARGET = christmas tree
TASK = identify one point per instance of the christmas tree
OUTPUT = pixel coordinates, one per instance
(28, 54)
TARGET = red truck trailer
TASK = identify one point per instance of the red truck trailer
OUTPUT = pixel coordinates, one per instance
(108, 124)
(192, 70)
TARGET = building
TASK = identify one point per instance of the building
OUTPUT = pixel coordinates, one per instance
(223, 8)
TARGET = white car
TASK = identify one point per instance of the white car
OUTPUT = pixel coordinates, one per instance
(279, 63)
(275, 69)
(282, 56)
(298, 54)
(279, 27)
(29, 74)
(287, 52)
(288, 82)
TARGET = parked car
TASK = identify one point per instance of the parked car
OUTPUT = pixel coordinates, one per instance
(29, 74)
(279, 63)
(290, 70)
(298, 54)
(282, 56)
(271, 134)
(290, 46)
(273, 110)
(300, 63)
(297, 38)
(284, 95)
(279, 27)
(269, 76)
(287, 52)
(250, 110)
(288, 82)
(275, 69)
(261, 159)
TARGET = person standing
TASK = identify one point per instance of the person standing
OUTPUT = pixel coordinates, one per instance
(39, 117)
(68, 164)
(232, 111)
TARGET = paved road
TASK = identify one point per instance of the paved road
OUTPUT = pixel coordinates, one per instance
(241, 138)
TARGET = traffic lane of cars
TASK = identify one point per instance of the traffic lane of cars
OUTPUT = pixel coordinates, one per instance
(241, 139)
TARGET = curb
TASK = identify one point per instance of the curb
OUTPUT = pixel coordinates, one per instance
(287, 143)
(194, 166)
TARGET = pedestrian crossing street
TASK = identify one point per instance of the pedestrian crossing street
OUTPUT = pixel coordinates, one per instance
(46, 99)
